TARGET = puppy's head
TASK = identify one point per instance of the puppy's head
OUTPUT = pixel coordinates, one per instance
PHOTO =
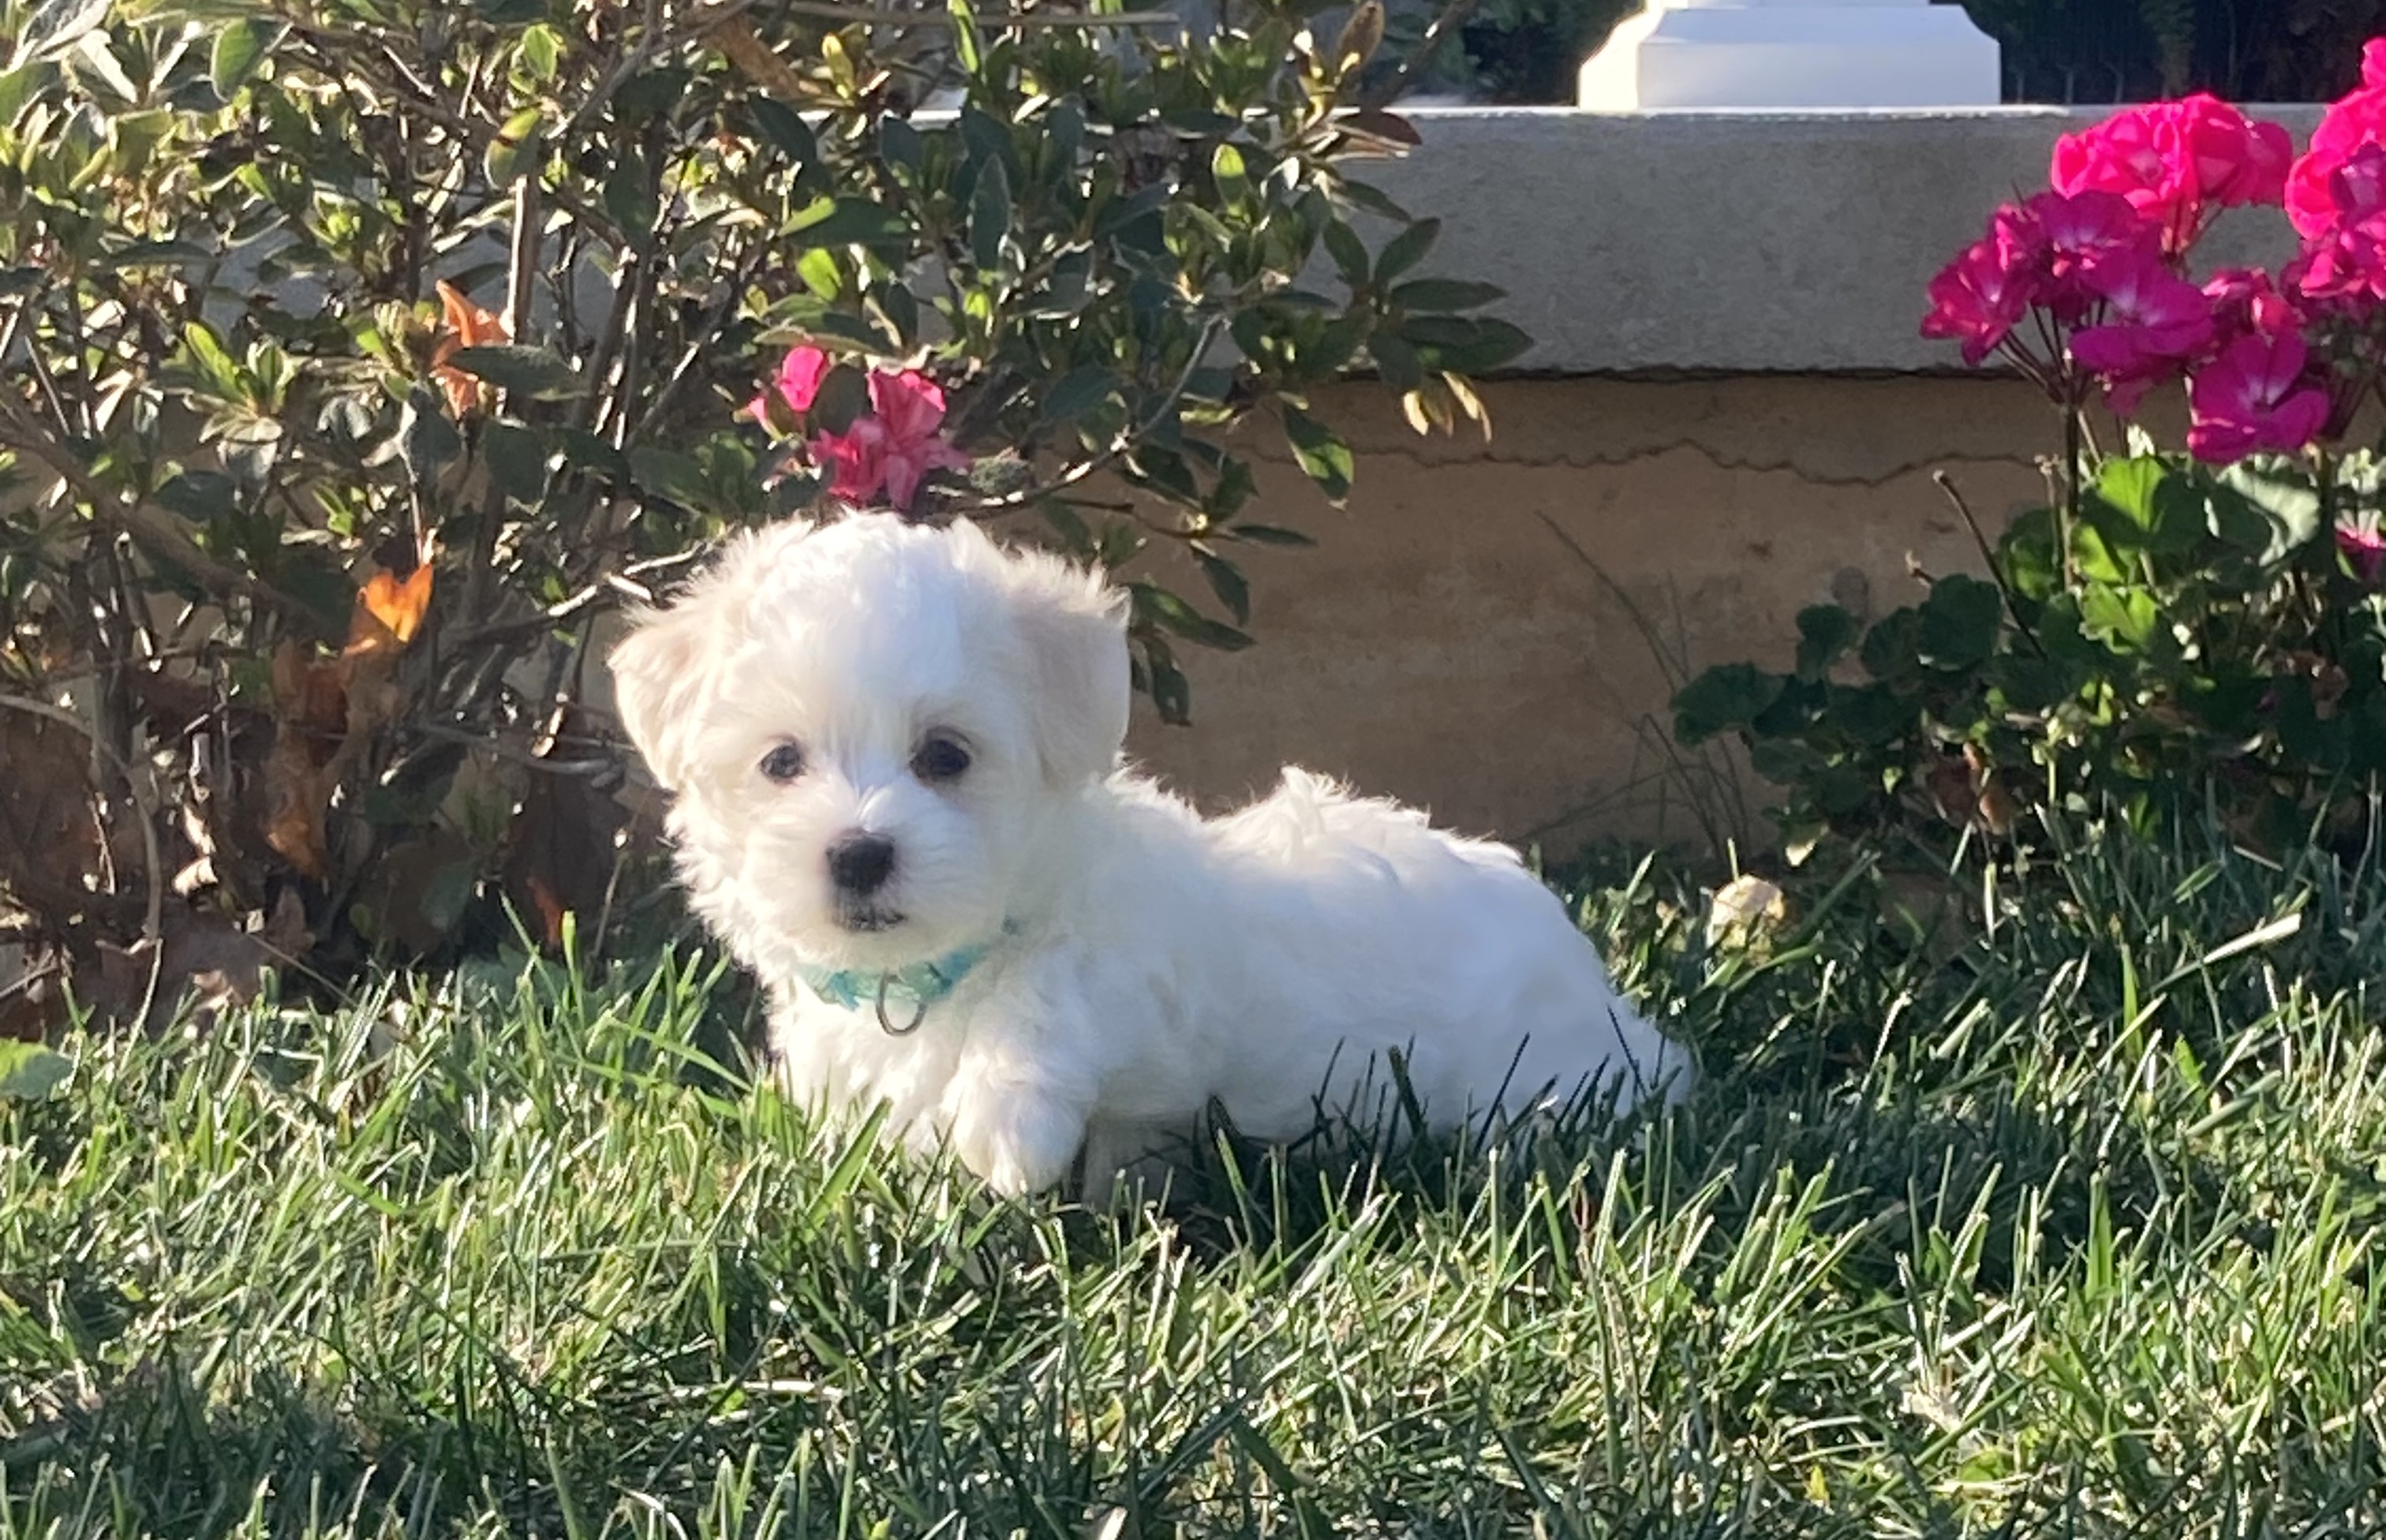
(866, 726)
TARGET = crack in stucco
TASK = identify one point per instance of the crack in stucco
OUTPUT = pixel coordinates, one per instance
(1424, 459)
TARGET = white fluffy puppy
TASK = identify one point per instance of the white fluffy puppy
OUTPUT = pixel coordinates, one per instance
(895, 755)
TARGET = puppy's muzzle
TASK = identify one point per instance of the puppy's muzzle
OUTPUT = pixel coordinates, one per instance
(859, 864)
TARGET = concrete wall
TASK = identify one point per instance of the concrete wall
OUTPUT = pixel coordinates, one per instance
(1494, 629)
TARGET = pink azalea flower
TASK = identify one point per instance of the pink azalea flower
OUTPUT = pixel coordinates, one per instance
(892, 450)
(800, 373)
(2254, 396)
(2365, 548)
(2153, 321)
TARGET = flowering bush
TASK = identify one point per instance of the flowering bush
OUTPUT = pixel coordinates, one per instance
(359, 358)
(2206, 621)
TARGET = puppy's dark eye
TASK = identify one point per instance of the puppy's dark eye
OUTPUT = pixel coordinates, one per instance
(783, 763)
(941, 757)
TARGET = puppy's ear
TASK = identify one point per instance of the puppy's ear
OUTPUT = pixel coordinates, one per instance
(665, 666)
(656, 669)
(1075, 625)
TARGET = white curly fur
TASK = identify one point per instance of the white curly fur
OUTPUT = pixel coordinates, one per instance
(1140, 959)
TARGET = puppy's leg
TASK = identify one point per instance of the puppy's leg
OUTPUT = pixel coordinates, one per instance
(1019, 1132)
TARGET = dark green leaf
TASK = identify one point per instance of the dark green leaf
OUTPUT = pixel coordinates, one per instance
(899, 143)
(1226, 580)
(587, 452)
(2143, 506)
(1349, 252)
(1074, 537)
(533, 372)
(894, 300)
(649, 95)
(671, 475)
(541, 49)
(29, 1072)
(629, 197)
(1226, 170)
(1364, 196)
(1396, 361)
(821, 272)
(2285, 497)
(1824, 635)
(1406, 249)
(426, 440)
(2027, 555)
(1890, 647)
(851, 223)
(1173, 614)
(1444, 294)
(55, 25)
(1321, 452)
(1232, 489)
(1724, 699)
(1869, 715)
(1170, 691)
(240, 46)
(1078, 392)
(200, 496)
(2124, 618)
(517, 459)
(515, 150)
(1465, 345)
(989, 221)
(844, 393)
(782, 126)
(1960, 622)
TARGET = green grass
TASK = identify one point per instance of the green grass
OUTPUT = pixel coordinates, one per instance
(2067, 1229)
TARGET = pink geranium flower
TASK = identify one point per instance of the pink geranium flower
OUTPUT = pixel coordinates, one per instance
(2356, 118)
(2176, 163)
(2247, 300)
(2080, 235)
(2254, 395)
(1980, 297)
(2347, 258)
(2236, 161)
(2153, 321)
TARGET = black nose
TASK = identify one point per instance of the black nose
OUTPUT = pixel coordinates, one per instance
(860, 863)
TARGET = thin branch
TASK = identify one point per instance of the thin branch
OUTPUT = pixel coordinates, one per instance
(581, 769)
(555, 614)
(1125, 440)
(1442, 28)
(150, 527)
(828, 10)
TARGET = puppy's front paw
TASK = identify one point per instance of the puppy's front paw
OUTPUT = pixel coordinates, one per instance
(1016, 1139)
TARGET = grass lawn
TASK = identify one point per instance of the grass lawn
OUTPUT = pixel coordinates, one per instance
(2067, 1229)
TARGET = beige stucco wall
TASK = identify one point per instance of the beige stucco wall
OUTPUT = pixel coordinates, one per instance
(1491, 630)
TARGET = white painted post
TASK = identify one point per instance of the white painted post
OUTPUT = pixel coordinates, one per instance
(1793, 54)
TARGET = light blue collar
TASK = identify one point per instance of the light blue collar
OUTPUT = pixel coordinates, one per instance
(901, 996)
